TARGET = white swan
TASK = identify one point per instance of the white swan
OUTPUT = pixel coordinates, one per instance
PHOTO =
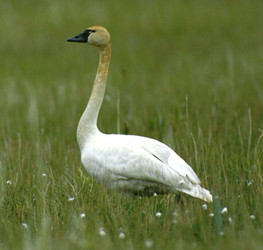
(126, 162)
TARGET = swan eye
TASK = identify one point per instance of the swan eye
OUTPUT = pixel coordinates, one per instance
(91, 31)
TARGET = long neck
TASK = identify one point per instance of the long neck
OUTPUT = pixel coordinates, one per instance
(88, 122)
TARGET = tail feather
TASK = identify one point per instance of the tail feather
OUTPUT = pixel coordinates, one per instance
(198, 192)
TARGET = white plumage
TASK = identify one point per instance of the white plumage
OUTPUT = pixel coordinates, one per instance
(126, 162)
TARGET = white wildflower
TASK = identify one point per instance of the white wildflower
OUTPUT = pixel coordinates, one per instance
(175, 214)
(102, 231)
(249, 183)
(158, 214)
(148, 243)
(121, 235)
(82, 215)
(71, 199)
(252, 217)
(230, 220)
(211, 215)
(224, 210)
(44, 175)
(204, 206)
(154, 194)
(8, 182)
(24, 225)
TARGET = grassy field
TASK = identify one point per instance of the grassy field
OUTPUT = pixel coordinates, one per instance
(188, 73)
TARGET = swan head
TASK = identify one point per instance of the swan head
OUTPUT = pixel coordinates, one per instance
(94, 35)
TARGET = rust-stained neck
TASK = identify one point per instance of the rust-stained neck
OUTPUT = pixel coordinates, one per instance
(87, 126)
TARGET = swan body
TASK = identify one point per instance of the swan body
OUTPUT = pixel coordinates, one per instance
(128, 163)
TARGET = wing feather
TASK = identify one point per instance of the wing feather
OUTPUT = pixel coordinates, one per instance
(169, 158)
(135, 163)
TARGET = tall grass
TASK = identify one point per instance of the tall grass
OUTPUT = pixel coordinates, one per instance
(188, 73)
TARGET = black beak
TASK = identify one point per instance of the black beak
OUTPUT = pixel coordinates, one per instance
(81, 38)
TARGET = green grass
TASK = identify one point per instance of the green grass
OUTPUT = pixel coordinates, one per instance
(188, 73)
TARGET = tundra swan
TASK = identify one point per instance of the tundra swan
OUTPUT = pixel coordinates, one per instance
(127, 162)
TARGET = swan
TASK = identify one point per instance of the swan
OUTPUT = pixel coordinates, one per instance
(127, 163)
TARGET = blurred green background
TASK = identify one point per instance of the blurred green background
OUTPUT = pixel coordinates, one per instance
(188, 73)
